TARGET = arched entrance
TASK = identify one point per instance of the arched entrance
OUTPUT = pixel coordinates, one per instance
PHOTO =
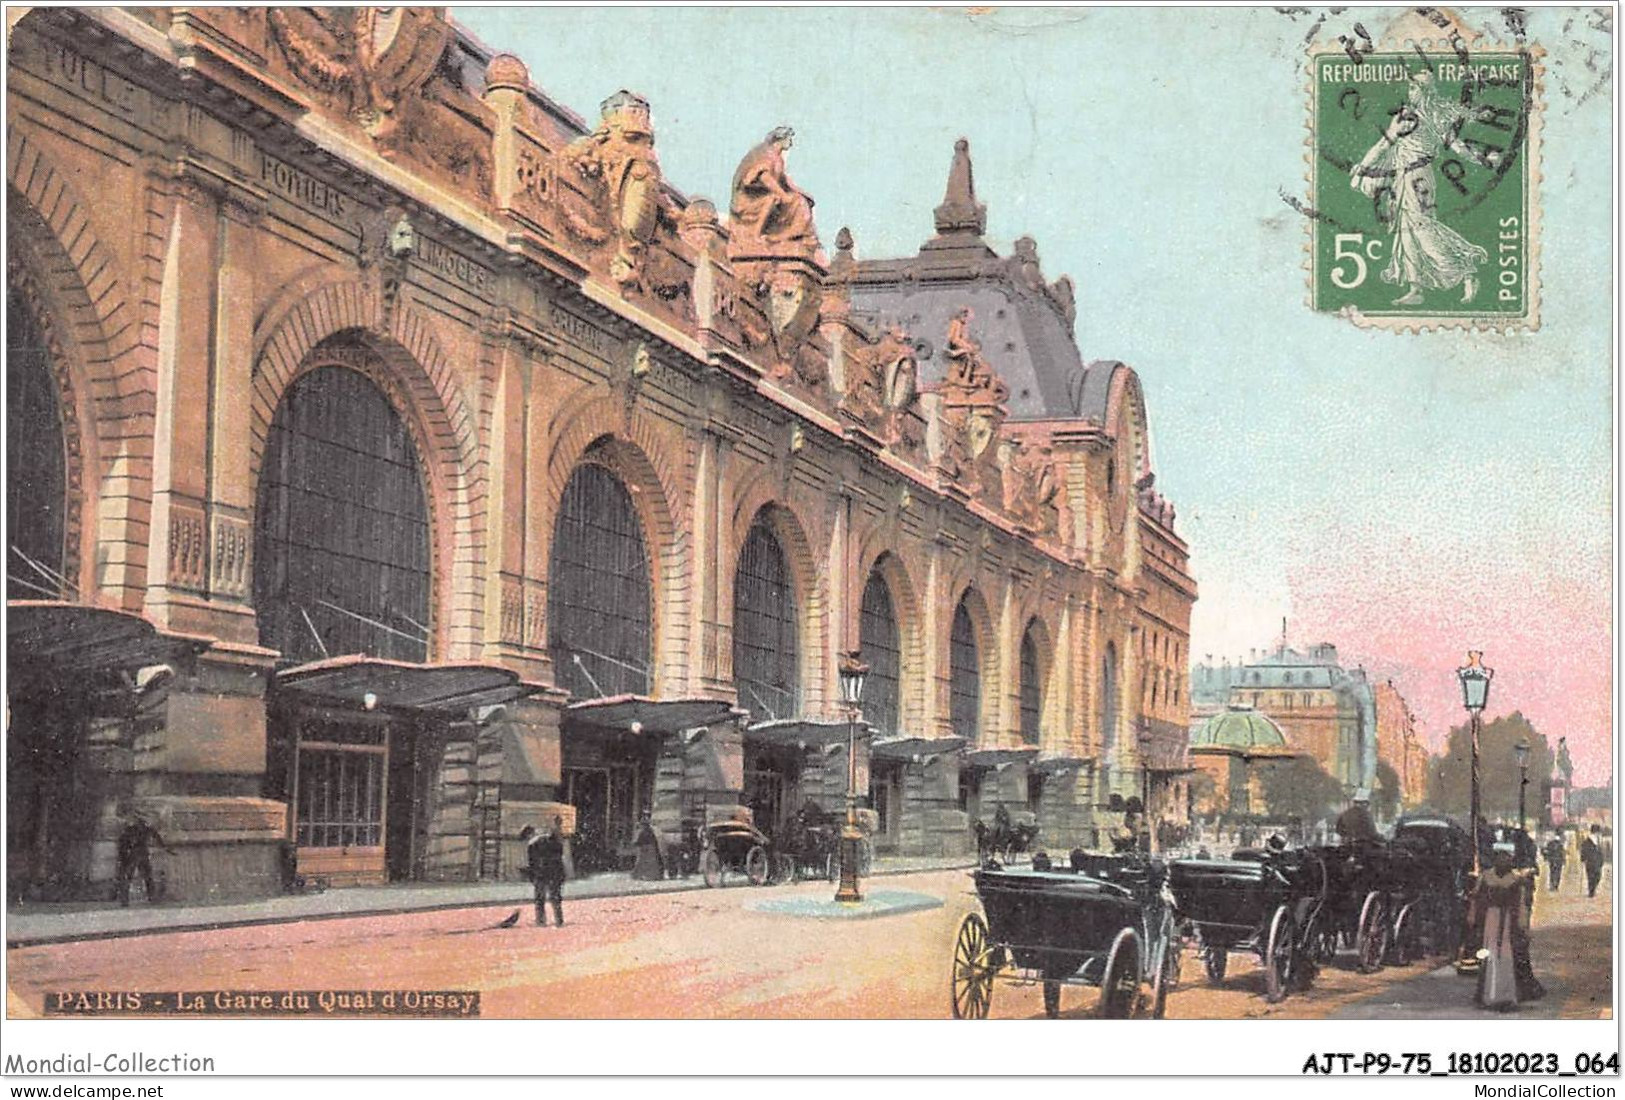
(36, 463)
(880, 642)
(965, 701)
(600, 631)
(342, 568)
(767, 673)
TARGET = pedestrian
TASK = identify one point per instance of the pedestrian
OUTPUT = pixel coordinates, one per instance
(544, 862)
(651, 861)
(1555, 856)
(1591, 860)
(1505, 974)
(135, 842)
(1354, 825)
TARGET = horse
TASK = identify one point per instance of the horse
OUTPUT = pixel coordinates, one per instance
(1003, 840)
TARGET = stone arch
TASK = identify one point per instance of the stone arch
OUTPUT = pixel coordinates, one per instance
(599, 431)
(74, 289)
(987, 654)
(341, 324)
(1033, 624)
(876, 554)
(807, 579)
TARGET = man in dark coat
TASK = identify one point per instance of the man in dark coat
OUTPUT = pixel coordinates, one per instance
(544, 863)
(1555, 855)
(1591, 860)
(135, 842)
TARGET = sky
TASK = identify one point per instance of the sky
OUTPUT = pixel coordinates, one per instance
(1405, 496)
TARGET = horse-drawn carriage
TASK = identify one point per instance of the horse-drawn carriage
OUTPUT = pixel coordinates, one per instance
(1428, 886)
(808, 846)
(735, 847)
(1108, 926)
(1263, 902)
(1004, 839)
(1368, 883)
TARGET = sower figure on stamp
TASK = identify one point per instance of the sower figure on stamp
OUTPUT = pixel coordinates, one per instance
(544, 863)
(135, 842)
(1398, 174)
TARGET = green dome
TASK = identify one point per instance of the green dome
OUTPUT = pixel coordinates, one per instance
(1239, 727)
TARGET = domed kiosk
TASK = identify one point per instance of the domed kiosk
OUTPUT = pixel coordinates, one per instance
(1234, 746)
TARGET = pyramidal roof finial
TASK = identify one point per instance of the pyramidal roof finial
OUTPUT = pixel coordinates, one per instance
(960, 212)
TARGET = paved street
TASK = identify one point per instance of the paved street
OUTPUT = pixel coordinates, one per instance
(704, 954)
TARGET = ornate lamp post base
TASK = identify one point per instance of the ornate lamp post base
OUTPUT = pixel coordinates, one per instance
(851, 847)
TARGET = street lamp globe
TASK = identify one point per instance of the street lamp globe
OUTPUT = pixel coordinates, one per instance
(1475, 681)
(853, 673)
(1522, 750)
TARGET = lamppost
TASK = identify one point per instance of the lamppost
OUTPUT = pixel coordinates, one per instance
(852, 672)
(1522, 749)
(1475, 693)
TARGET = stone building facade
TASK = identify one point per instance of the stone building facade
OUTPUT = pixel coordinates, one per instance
(411, 462)
(1399, 746)
(1326, 711)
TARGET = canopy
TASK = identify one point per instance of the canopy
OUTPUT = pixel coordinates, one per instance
(70, 639)
(405, 685)
(998, 758)
(639, 713)
(1058, 763)
(802, 732)
(906, 748)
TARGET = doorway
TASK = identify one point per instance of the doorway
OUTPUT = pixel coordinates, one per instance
(588, 790)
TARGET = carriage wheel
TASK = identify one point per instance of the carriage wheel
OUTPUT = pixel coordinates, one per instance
(1371, 941)
(1052, 998)
(866, 857)
(1120, 987)
(1402, 945)
(1167, 973)
(711, 867)
(1216, 958)
(971, 983)
(756, 865)
(1279, 956)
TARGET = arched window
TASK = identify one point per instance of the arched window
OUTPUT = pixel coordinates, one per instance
(965, 677)
(36, 463)
(766, 645)
(1032, 689)
(341, 532)
(880, 644)
(1289, 678)
(598, 589)
(1108, 700)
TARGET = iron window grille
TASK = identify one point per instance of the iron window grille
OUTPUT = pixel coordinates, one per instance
(36, 463)
(879, 641)
(1032, 691)
(341, 536)
(599, 615)
(765, 637)
(965, 677)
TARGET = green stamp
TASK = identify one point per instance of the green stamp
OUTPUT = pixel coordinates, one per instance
(1423, 184)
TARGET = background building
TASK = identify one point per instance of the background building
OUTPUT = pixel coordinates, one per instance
(404, 460)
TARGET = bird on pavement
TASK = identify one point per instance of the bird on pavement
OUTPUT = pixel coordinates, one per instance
(508, 921)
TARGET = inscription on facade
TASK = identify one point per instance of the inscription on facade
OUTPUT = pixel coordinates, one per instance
(437, 257)
(72, 71)
(581, 331)
(301, 187)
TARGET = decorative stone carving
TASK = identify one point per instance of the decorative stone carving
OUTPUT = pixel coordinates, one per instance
(1031, 488)
(882, 386)
(769, 215)
(1024, 269)
(365, 61)
(388, 240)
(620, 157)
(972, 411)
(232, 542)
(187, 548)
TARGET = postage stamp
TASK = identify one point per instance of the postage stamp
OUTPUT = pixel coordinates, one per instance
(1423, 181)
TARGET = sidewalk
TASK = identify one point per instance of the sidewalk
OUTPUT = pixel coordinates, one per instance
(27, 925)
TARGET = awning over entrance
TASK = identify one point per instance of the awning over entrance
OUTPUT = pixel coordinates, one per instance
(999, 758)
(908, 748)
(1055, 764)
(52, 637)
(403, 684)
(639, 713)
(802, 732)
